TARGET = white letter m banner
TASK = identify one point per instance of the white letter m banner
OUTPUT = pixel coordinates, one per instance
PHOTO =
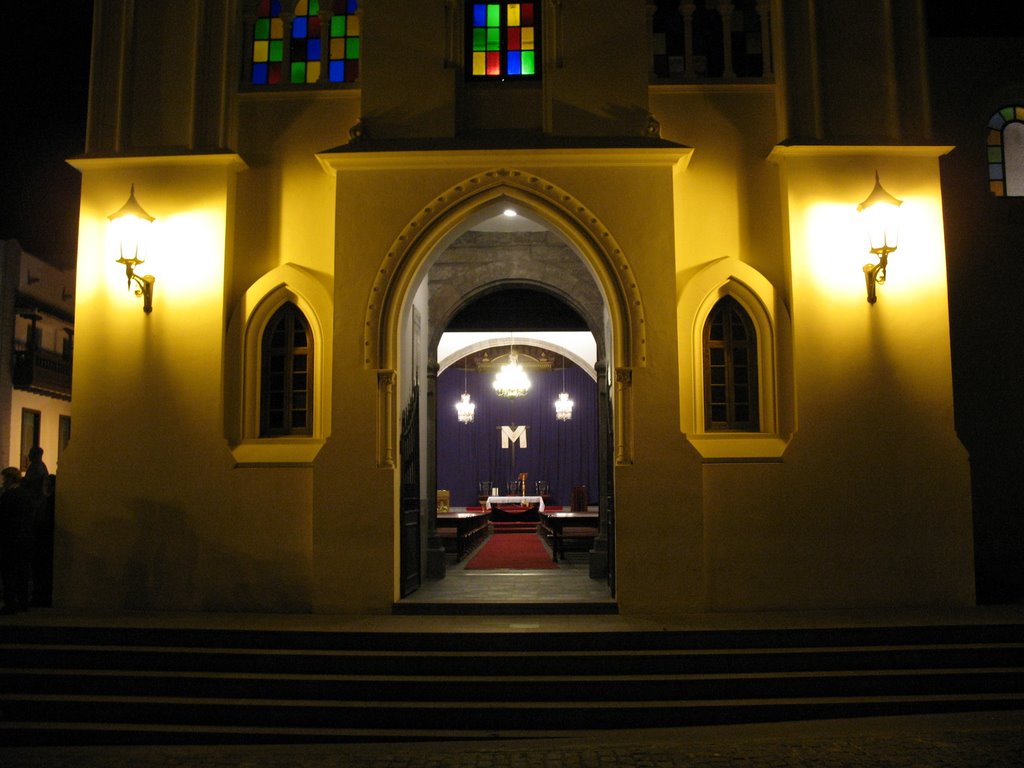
(516, 435)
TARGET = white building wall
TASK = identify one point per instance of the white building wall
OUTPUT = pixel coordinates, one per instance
(50, 410)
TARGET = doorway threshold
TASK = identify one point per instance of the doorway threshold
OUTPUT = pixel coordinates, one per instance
(451, 608)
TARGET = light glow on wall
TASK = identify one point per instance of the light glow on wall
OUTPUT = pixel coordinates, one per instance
(191, 255)
(838, 248)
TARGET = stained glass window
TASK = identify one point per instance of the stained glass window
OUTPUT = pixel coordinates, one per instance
(343, 46)
(317, 51)
(1006, 152)
(267, 43)
(503, 40)
(730, 369)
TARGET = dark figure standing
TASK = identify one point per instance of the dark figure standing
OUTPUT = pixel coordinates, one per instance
(16, 521)
(36, 474)
(38, 484)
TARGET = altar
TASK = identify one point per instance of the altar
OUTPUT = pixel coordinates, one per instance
(515, 508)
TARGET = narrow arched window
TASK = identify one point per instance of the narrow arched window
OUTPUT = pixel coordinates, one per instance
(1005, 147)
(286, 365)
(502, 40)
(730, 369)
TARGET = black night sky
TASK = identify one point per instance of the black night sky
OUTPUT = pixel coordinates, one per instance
(43, 124)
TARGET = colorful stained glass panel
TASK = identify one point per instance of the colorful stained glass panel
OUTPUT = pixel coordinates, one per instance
(305, 45)
(506, 29)
(1006, 157)
(307, 53)
(267, 45)
(344, 49)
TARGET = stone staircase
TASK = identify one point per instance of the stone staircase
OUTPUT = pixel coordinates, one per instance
(105, 685)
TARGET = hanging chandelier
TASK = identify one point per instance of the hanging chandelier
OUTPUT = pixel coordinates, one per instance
(563, 405)
(511, 381)
(466, 408)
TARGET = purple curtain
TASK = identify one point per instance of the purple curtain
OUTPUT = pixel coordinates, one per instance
(564, 453)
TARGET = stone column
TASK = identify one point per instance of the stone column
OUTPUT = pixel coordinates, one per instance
(435, 565)
(599, 554)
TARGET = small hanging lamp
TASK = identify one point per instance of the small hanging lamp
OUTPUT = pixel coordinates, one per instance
(563, 405)
(466, 408)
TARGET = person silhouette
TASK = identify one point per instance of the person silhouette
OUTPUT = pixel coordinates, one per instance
(37, 481)
(16, 521)
(36, 474)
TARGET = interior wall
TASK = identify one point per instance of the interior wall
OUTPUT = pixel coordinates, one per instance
(564, 453)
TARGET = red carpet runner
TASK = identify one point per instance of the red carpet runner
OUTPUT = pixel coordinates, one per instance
(517, 551)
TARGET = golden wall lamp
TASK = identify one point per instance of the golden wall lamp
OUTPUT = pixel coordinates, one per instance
(131, 226)
(880, 214)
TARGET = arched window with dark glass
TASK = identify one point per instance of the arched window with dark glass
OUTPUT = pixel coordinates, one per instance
(730, 369)
(286, 368)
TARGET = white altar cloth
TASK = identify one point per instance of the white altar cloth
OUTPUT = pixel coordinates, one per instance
(538, 500)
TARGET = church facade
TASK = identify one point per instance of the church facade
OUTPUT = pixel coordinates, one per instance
(326, 182)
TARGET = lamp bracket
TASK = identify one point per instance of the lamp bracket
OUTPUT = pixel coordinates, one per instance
(144, 283)
(875, 273)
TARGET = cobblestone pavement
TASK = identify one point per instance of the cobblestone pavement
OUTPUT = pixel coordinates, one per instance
(993, 740)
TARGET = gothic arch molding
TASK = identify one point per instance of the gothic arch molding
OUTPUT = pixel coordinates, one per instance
(299, 285)
(436, 222)
(729, 276)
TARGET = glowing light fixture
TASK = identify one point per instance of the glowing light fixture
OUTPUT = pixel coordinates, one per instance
(510, 213)
(131, 225)
(466, 408)
(880, 214)
(511, 381)
(563, 405)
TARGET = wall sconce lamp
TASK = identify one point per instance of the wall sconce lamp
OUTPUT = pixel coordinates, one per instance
(880, 214)
(131, 227)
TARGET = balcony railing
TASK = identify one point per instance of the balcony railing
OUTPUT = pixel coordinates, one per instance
(711, 41)
(43, 372)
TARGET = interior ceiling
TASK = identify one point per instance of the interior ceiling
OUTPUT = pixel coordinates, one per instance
(517, 309)
(543, 319)
(505, 223)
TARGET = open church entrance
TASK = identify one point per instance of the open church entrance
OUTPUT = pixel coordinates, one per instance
(515, 443)
(518, 494)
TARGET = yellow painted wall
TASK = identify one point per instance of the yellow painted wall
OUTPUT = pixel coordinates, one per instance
(732, 131)
(816, 529)
(870, 504)
(355, 503)
(864, 502)
(285, 201)
(150, 514)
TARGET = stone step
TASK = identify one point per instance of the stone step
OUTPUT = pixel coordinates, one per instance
(79, 685)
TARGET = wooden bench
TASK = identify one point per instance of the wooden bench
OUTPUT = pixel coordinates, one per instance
(460, 532)
(569, 530)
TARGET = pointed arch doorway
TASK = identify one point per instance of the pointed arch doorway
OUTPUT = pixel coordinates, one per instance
(509, 284)
(410, 311)
(519, 445)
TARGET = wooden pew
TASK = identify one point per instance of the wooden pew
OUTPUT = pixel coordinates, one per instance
(460, 532)
(569, 530)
